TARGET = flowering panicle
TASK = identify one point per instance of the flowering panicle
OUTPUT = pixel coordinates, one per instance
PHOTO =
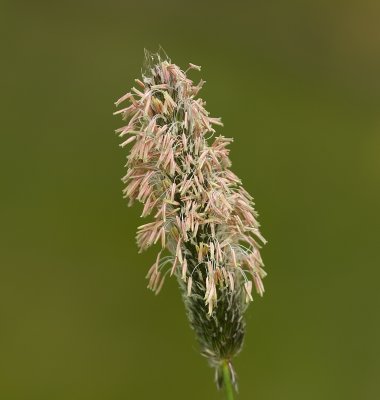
(203, 216)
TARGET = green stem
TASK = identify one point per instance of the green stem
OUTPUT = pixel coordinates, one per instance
(227, 381)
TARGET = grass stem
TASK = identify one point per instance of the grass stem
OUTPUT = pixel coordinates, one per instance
(227, 381)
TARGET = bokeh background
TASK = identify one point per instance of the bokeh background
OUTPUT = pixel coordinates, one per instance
(297, 84)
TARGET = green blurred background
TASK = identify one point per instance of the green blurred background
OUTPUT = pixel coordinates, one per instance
(297, 84)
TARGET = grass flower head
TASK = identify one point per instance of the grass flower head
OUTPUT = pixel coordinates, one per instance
(203, 219)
